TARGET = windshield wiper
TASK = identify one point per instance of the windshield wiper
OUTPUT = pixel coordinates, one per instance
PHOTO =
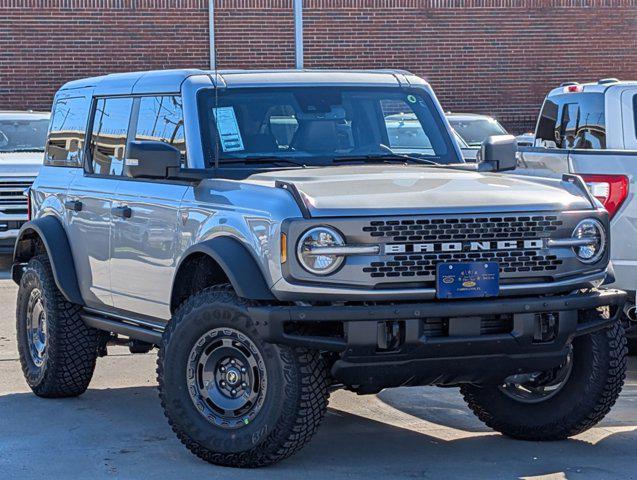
(370, 159)
(262, 159)
(408, 157)
(391, 156)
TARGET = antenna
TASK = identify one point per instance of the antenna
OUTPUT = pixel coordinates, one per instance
(213, 61)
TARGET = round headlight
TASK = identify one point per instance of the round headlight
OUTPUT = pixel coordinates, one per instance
(593, 231)
(311, 259)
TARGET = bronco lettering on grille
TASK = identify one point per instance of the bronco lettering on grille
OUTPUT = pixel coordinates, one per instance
(393, 248)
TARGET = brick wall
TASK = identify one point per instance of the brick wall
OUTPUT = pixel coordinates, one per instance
(44, 43)
(491, 56)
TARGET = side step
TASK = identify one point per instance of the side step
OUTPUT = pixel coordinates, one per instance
(144, 330)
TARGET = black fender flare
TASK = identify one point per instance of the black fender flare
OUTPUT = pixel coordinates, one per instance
(53, 236)
(237, 263)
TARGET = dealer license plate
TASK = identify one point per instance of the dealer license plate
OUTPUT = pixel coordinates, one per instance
(467, 280)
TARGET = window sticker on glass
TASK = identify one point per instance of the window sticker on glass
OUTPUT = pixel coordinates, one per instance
(228, 129)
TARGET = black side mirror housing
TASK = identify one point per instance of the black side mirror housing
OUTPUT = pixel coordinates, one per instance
(151, 159)
(499, 153)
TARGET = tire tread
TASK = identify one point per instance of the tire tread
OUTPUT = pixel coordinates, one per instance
(589, 413)
(72, 347)
(283, 441)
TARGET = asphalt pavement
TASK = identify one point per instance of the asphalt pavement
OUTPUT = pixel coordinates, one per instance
(117, 430)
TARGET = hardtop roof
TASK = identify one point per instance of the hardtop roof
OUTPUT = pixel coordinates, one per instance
(595, 87)
(170, 81)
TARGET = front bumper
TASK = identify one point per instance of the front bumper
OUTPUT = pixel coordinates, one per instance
(286, 291)
(461, 351)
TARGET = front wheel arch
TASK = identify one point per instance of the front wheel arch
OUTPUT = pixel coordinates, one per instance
(219, 261)
(47, 236)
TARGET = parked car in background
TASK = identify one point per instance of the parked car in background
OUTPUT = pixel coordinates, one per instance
(591, 130)
(404, 131)
(526, 139)
(22, 137)
(474, 128)
(469, 154)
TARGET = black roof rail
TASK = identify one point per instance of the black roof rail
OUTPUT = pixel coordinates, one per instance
(568, 84)
(605, 81)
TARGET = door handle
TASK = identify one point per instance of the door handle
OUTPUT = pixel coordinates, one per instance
(73, 205)
(122, 212)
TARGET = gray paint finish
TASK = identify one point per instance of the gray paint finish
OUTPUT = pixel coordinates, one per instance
(393, 189)
(130, 264)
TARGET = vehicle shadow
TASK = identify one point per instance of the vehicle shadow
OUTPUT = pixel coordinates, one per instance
(121, 433)
(445, 407)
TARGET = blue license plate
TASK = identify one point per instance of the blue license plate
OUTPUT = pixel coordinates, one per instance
(467, 280)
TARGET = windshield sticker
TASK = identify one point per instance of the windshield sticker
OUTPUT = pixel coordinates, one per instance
(228, 129)
(411, 99)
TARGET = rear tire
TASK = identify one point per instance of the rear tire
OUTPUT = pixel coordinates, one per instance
(58, 351)
(586, 396)
(231, 398)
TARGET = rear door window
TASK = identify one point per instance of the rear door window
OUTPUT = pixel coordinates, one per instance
(109, 135)
(67, 131)
(573, 121)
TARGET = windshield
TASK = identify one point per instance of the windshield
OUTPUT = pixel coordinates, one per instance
(459, 139)
(323, 125)
(474, 131)
(23, 135)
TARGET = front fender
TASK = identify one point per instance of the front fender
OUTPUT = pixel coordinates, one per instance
(49, 232)
(237, 263)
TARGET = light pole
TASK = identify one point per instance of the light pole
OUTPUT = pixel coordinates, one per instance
(298, 33)
(211, 33)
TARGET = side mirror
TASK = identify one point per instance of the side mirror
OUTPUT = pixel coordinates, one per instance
(151, 159)
(498, 153)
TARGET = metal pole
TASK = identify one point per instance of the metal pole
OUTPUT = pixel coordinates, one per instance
(298, 33)
(211, 30)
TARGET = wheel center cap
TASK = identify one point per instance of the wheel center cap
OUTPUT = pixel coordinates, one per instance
(233, 377)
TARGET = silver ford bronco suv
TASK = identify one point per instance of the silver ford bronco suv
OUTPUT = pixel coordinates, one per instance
(282, 234)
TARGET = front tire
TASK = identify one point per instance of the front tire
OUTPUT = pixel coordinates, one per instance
(58, 351)
(231, 398)
(586, 393)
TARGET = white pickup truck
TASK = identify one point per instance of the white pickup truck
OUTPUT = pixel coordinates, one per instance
(22, 137)
(591, 130)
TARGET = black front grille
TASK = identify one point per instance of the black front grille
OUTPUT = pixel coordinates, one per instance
(422, 266)
(517, 261)
(455, 229)
(12, 199)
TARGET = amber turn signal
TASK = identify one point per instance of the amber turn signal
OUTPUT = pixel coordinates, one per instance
(284, 248)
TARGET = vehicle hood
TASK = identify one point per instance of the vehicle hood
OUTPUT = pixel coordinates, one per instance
(397, 189)
(20, 164)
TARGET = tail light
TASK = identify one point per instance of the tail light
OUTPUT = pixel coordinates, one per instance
(611, 190)
(573, 89)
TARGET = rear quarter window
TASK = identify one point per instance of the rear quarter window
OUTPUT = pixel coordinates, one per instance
(573, 121)
(67, 132)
